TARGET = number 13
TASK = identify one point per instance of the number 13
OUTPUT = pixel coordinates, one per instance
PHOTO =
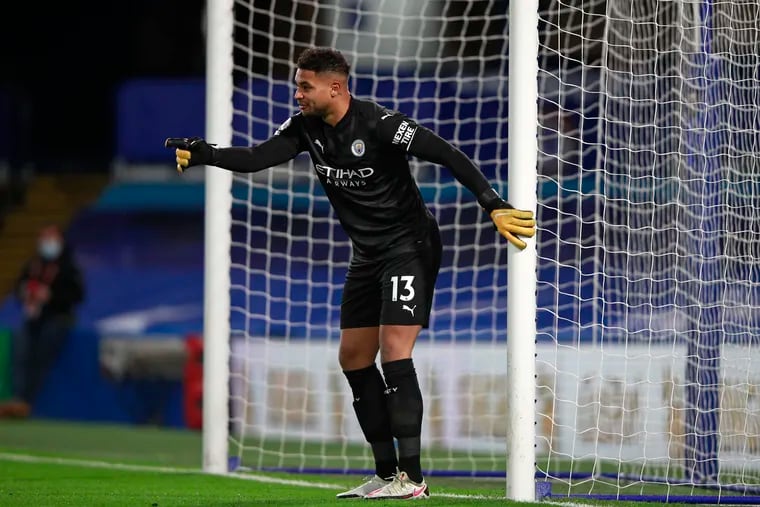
(408, 290)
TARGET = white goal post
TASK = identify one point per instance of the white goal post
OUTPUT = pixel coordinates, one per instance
(521, 286)
(617, 356)
(218, 204)
(277, 94)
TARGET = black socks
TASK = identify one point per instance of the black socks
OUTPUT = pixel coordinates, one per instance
(404, 401)
(368, 388)
(388, 409)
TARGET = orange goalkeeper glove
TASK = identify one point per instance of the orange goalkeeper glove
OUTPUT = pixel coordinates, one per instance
(512, 223)
(191, 151)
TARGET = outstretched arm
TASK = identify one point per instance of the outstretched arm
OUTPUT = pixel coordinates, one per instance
(511, 223)
(427, 145)
(196, 151)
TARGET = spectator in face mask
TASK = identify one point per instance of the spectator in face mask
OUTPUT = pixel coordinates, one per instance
(49, 288)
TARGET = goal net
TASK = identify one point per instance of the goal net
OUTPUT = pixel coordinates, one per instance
(445, 65)
(648, 371)
(648, 362)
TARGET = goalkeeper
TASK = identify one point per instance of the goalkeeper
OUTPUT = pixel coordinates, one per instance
(359, 150)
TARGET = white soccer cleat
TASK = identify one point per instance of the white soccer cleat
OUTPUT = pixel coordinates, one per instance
(375, 482)
(400, 488)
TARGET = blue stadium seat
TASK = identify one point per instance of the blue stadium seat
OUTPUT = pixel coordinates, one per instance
(260, 107)
(150, 110)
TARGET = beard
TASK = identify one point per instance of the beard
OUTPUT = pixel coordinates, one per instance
(309, 109)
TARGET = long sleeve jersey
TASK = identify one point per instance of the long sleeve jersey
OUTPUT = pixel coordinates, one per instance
(363, 166)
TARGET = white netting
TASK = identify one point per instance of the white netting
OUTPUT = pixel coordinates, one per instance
(647, 272)
(648, 260)
(445, 65)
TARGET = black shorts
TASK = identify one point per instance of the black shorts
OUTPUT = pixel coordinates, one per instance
(394, 290)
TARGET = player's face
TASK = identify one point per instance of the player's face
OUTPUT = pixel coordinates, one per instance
(314, 92)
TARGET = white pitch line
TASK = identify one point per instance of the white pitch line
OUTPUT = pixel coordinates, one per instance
(147, 468)
(25, 458)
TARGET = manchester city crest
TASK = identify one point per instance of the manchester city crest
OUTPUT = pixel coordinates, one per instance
(357, 148)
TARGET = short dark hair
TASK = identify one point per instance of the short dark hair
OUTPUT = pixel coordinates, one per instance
(323, 59)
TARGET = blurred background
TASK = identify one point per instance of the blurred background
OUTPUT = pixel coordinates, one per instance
(88, 93)
(87, 96)
(81, 83)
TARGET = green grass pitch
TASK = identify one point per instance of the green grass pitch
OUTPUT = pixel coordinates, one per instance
(57, 463)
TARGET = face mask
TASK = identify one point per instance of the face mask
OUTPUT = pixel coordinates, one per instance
(50, 248)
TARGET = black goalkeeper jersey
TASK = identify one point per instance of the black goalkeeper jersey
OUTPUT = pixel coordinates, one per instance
(363, 166)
